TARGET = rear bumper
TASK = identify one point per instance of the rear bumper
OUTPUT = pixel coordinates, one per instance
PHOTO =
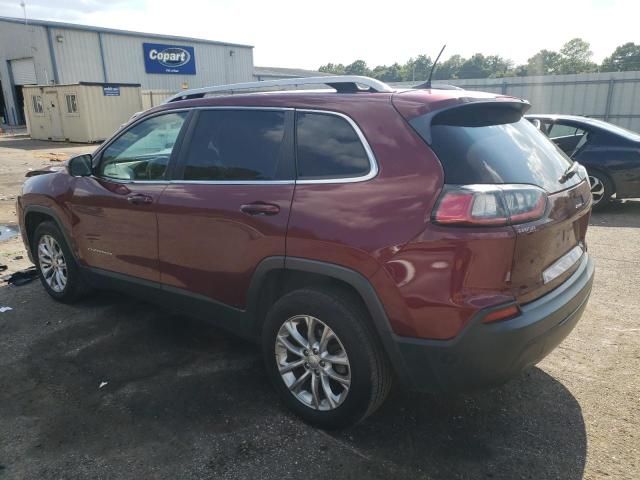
(490, 354)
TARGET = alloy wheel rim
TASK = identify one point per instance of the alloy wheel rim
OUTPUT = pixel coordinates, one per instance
(53, 265)
(597, 189)
(313, 362)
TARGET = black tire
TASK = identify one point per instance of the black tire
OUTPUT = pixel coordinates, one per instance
(75, 286)
(601, 189)
(369, 369)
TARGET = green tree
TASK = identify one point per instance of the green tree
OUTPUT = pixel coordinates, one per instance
(449, 68)
(498, 66)
(417, 69)
(545, 62)
(475, 67)
(624, 58)
(379, 72)
(393, 73)
(338, 68)
(576, 57)
(359, 67)
(520, 71)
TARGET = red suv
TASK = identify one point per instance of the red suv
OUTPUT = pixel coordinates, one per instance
(361, 235)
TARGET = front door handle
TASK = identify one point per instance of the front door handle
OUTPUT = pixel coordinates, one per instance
(139, 199)
(260, 208)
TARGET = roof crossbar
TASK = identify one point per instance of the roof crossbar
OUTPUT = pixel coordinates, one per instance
(341, 83)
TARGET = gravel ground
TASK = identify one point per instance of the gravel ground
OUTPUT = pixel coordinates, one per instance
(184, 400)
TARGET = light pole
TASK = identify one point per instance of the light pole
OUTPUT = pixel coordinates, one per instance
(24, 10)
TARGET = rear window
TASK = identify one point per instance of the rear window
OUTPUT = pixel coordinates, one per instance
(510, 152)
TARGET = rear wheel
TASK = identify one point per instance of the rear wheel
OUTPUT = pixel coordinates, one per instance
(323, 359)
(58, 270)
(601, 189)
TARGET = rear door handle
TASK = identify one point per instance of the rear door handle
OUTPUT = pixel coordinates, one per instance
(139, 199)
(260, 208)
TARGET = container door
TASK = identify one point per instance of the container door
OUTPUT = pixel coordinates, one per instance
(52, 107)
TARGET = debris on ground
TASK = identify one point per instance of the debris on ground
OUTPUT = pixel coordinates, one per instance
(5, 309)
(18, 257)
(3, 268)
(54, 156)
(21, 277)
(103, 384)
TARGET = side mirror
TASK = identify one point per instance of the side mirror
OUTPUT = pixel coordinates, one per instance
(80, 166)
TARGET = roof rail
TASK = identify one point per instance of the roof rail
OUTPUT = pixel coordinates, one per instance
(341, 83)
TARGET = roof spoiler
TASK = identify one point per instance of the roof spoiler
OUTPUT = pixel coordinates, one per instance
(472, 113)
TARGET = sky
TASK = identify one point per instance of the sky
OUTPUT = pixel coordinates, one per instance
(302, 34)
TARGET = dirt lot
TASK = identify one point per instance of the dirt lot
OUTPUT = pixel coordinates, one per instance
(183, 400)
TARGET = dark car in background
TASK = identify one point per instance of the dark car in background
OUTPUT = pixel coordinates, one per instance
(431, 236)
(610, 153)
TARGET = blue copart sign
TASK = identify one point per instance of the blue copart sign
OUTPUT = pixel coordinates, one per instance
(173, 59)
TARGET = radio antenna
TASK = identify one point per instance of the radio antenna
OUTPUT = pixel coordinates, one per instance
(427, 84)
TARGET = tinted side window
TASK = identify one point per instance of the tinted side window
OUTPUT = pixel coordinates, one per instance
(143, 151)
(237, 145)
(328, 147)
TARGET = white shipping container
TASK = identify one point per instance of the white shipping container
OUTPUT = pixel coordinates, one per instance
(84, 112)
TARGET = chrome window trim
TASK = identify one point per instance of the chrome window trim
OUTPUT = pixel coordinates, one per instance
(373, 164)
(242, 107)
(131, 182)
(197, 182)
(232, 182)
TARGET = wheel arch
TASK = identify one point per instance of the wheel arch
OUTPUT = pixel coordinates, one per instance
(34, 215)
(276, 276)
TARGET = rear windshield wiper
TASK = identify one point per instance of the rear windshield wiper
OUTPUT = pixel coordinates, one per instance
(569, 172)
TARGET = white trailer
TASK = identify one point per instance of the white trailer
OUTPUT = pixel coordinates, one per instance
(84, 112)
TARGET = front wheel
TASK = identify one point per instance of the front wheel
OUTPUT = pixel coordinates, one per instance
(58, 270)
(323, 358)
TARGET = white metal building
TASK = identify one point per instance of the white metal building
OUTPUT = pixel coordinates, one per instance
(46, 53)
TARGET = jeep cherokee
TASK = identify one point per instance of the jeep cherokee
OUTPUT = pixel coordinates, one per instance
(432, 237)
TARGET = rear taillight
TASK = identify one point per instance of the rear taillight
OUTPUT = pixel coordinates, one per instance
(489, 204)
